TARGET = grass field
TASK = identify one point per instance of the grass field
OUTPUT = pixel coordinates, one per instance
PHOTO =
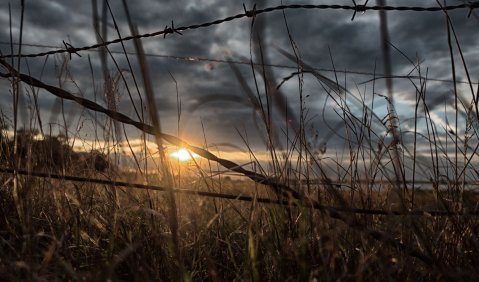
(395, 204)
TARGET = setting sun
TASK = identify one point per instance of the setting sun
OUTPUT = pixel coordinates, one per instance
(183, 155)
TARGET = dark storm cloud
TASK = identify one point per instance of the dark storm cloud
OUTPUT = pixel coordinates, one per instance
(350, 42)
(156, 14)
(39, 11)
(426, 38)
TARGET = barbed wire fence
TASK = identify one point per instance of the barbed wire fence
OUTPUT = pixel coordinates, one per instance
(290, 197)
(249, 14)
(196, 59)
(171, 30)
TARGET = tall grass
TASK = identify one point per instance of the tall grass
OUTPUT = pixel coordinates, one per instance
(301, 215)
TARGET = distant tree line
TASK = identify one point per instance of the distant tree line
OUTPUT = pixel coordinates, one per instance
(49, 154)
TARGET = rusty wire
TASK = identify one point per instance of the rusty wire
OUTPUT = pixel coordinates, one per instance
(197, 59)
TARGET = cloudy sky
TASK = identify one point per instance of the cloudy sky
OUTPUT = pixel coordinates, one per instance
(215, 105)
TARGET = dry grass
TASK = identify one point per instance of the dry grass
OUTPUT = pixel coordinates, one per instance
(309, 216)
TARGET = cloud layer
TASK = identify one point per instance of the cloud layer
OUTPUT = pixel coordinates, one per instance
(213, 100)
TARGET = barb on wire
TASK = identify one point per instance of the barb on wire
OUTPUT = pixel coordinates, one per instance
(70, 49)
(359, 8)
(251, 13)
(170, 30)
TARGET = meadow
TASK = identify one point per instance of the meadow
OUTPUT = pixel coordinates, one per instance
(395, 201)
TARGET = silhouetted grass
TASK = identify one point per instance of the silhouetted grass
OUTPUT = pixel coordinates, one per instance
(301, 215)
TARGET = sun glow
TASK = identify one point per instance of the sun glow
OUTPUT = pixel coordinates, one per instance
(183, 155)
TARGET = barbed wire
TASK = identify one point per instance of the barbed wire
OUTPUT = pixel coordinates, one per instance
(250, 14)
(240, 197)
(196, 59)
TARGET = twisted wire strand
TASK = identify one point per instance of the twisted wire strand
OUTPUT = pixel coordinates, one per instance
(196, 59)
(247, 14)
(257, 177)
